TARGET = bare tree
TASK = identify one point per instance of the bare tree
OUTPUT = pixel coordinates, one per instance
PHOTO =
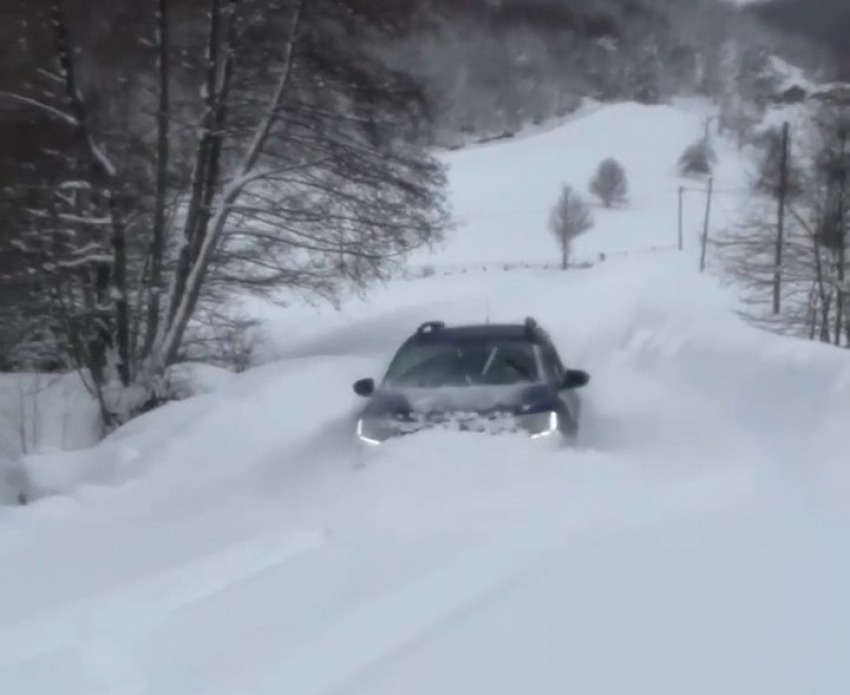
(814, 259)
(271, 152)
(610, 183)
(768, 179)
(831, 167)
(570, 218)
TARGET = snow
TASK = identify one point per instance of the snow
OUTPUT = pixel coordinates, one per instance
(506, 208)
(41, 413)
(693, 542)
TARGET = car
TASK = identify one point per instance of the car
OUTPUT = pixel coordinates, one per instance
(484, 377)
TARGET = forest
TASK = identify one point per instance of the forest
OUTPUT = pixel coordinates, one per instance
(823, 22)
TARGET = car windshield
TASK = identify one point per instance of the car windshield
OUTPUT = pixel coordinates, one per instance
(464, 364)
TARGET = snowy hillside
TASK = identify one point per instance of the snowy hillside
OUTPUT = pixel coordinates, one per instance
(693, 544)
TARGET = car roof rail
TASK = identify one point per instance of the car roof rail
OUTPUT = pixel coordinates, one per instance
(533, 329)
(430, 327)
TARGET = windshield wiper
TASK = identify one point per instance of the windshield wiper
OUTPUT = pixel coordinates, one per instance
(519, 368)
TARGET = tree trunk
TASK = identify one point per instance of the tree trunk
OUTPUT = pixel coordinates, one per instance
(184, 303)
(200, 176)
(780, 222)
(163, 151)
(109, 281)
(119, 293)
(212, 172)
(812, 313)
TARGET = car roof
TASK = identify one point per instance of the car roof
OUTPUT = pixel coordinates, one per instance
(437, 331)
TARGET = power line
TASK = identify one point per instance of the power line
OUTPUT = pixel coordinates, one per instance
(545, 210)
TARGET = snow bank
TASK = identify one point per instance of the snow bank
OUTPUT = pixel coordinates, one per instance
(50, 431)
(45, 412)
(204, 440)
(41, 413)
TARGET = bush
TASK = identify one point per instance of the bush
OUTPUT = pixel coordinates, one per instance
(610, 183)
(698, 159)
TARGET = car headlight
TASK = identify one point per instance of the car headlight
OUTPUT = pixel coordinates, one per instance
(375, 431)
(539, 424)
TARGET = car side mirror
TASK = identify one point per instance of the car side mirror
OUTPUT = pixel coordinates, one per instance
(364, 387)
(575, 379)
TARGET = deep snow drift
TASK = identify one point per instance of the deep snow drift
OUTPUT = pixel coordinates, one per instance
(694, 543)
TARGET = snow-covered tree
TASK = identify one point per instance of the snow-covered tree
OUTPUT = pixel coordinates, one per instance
(697, 159)
(610, 183)
(756, 79)
(645, 72)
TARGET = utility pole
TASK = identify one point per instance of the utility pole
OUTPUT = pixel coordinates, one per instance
(681, 216)
(782, 195)
(705, 224)
(842, 238)
(707, 135)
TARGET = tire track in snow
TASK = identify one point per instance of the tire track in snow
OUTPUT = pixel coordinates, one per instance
(371, 634)
(102, 632)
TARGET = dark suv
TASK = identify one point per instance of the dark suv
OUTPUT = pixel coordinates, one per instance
(487, 377)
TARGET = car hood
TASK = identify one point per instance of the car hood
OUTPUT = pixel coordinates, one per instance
(480, 400)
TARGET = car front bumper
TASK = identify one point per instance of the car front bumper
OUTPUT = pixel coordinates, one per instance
(375, 430)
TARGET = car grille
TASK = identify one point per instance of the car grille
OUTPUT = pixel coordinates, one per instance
(494, 422)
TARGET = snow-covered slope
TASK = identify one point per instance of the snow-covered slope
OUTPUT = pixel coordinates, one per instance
(505, 205)
(693, 544)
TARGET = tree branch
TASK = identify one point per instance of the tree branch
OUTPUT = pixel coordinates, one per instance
(67, 118)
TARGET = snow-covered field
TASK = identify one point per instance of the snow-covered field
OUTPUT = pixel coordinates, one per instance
(694, 543)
